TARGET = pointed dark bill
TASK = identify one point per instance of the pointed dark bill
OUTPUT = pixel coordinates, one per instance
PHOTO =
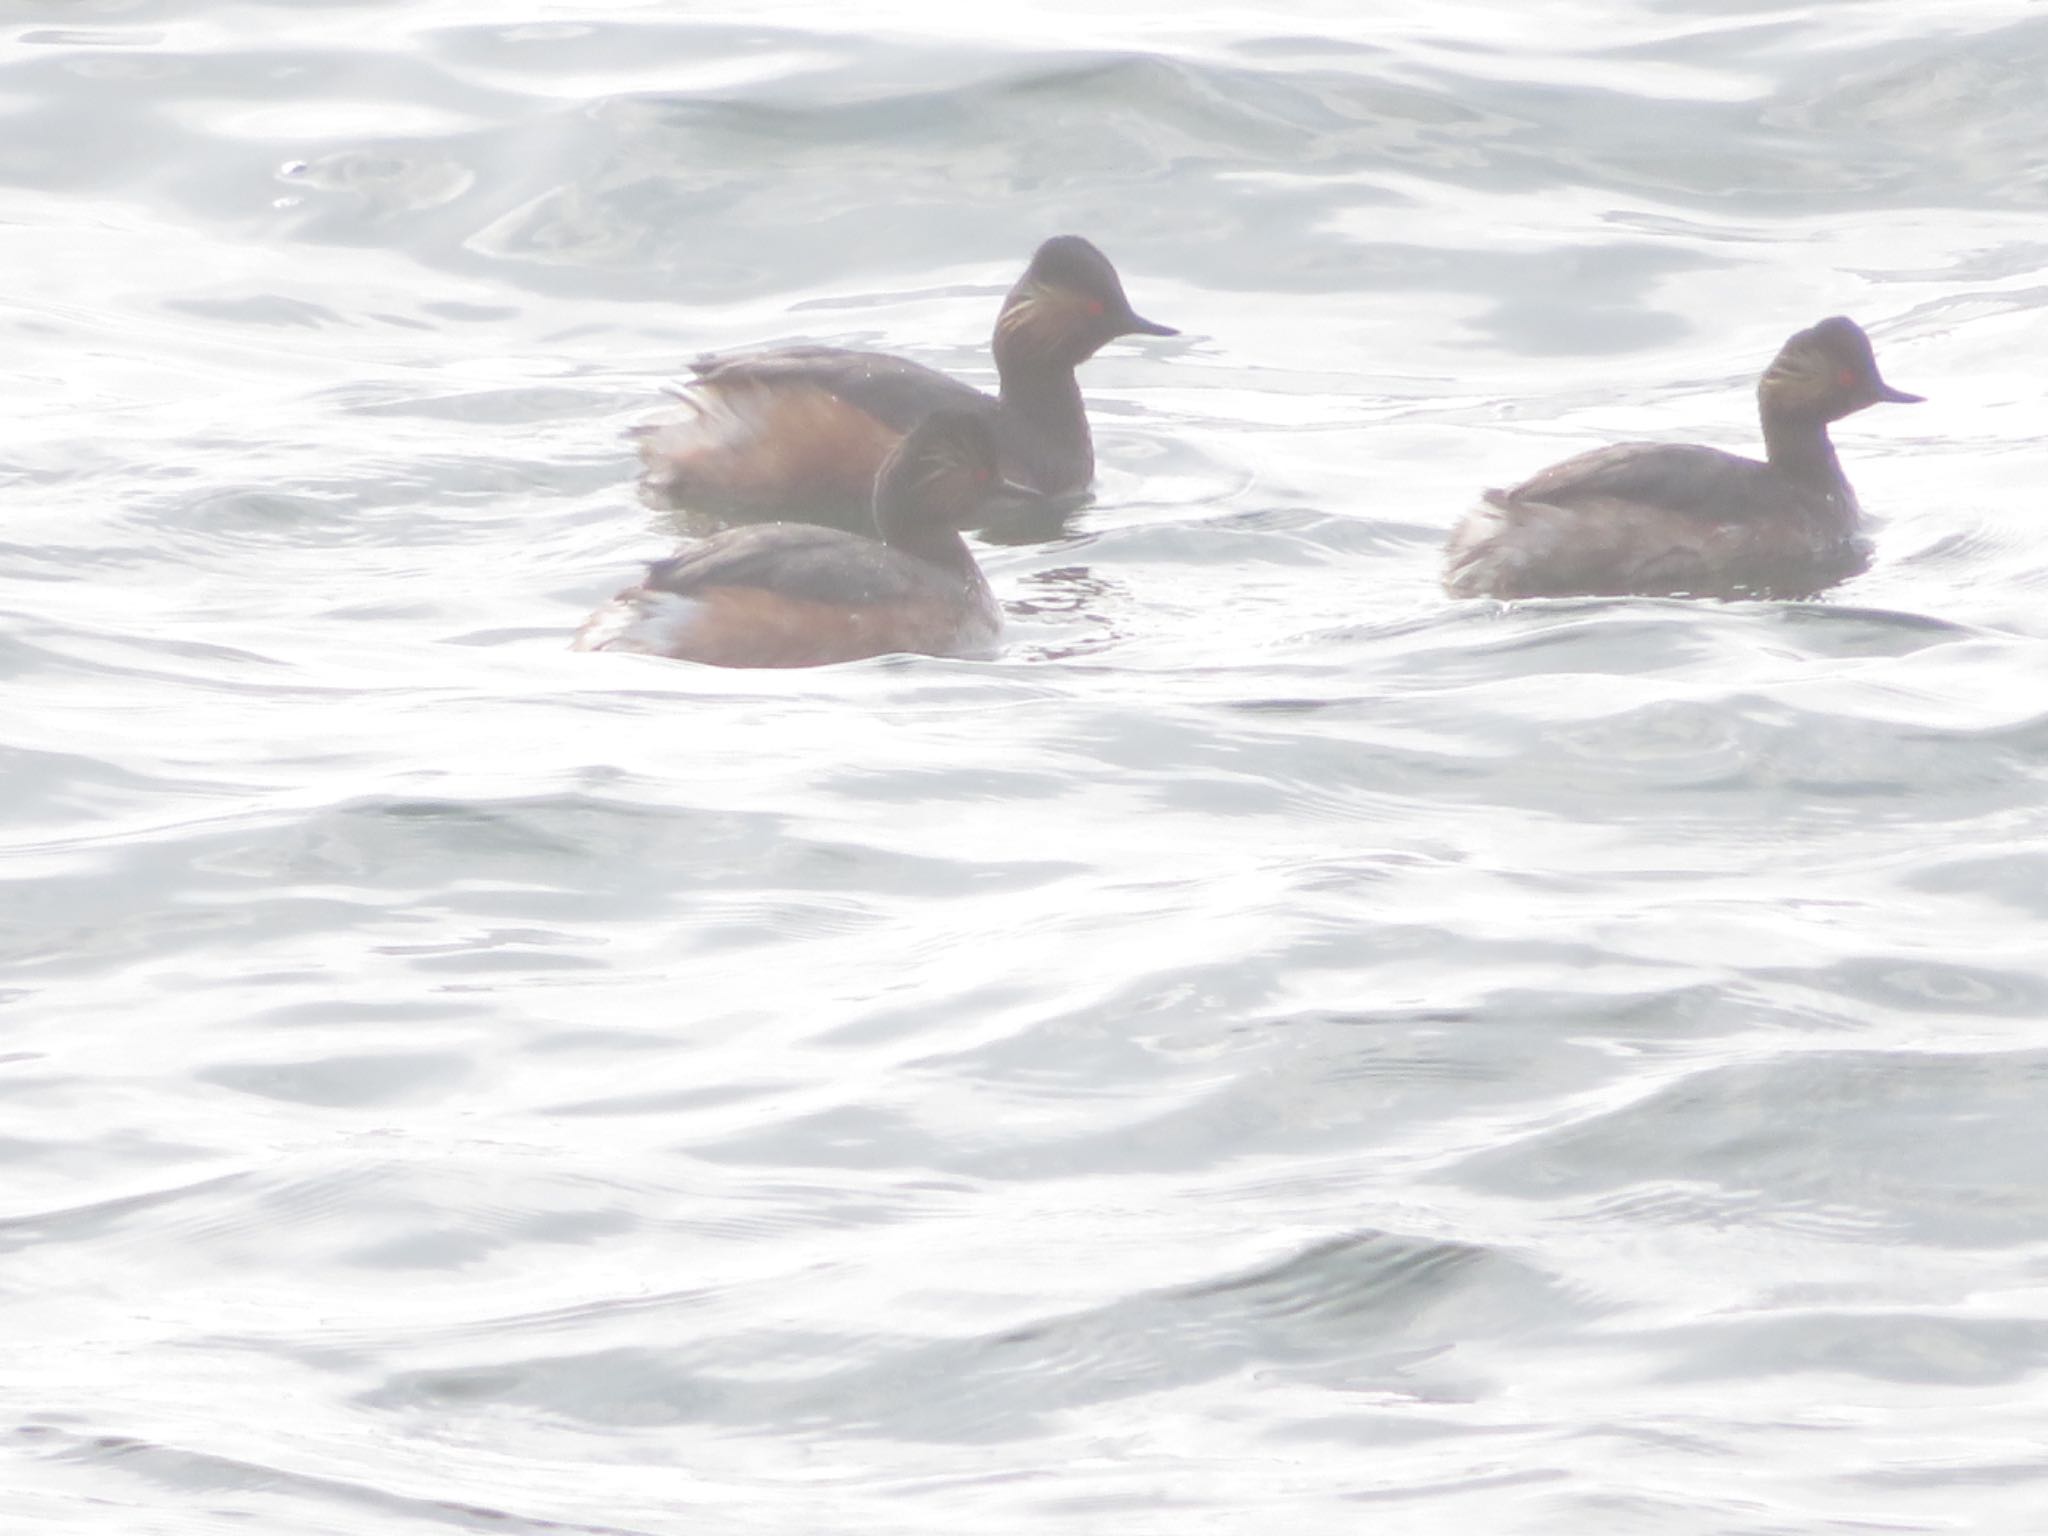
(1138, 325)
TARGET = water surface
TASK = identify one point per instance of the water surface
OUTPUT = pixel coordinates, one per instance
(1276, 1045)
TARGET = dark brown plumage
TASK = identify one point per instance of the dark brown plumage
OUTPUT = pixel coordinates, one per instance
(798, 595)
(798, 433)
(1678, 520)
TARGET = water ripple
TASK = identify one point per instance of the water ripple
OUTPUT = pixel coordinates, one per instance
(1273, 1043)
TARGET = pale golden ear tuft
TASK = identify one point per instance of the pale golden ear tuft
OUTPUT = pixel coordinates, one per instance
(1022, 310)
(942, 458)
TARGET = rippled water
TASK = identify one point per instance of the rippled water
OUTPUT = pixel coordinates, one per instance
(1277, 1046)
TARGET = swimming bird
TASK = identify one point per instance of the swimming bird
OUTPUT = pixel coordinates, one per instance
(1682, 520)
(798, 432)
(801, 595)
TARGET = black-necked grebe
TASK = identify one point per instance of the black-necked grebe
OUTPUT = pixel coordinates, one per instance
(799, 595)
(799, 432)
(1679, 520)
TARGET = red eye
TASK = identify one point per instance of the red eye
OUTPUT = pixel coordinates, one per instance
(1846, 378)
(981, 477)
(1095, 306)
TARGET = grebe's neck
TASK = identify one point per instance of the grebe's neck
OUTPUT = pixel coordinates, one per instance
(905, 524)
(1797, 445)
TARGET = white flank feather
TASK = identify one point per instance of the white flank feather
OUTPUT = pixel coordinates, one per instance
(651, 623)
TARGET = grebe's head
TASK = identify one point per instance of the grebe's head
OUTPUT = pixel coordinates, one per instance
(1826, 372)
(945, 472)
(1065, 307)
